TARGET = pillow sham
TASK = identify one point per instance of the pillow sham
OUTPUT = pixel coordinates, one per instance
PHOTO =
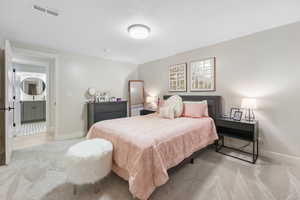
(175, 102)
(195, 109)
(166, 112)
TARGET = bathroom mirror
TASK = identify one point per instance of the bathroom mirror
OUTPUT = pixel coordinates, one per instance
(33, 86)
(136, 96)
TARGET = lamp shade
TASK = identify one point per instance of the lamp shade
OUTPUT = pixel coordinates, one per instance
(249, 103)
(150, 99)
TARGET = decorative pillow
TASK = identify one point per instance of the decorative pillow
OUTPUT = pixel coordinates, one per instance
(195, 109)
(175, 102)
(166, 112)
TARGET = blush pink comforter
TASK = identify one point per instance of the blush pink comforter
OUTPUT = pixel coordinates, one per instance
(146, 146)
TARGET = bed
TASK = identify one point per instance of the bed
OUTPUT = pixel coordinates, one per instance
(145, 147)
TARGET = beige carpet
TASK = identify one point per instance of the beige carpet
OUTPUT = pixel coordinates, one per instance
(38, 173)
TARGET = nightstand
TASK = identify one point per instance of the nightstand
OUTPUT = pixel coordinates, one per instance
(243, 130)
(146, 112)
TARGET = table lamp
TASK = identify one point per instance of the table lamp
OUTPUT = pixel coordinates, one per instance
(249, 104)
(152, 101)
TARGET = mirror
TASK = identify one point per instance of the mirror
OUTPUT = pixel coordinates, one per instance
(136, 96)
(33, 86)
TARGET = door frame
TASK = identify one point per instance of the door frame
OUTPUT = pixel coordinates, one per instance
(52, 76)
(2, 114)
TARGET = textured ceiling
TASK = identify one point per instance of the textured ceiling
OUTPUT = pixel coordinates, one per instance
(90, 27)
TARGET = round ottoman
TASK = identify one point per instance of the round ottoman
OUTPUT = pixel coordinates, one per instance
(88, 161)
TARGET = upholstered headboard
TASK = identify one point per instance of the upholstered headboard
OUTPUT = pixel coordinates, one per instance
(214, 103)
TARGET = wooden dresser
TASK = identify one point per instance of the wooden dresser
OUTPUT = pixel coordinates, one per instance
(105, 110)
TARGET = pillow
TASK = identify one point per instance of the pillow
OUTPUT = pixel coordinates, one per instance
(175, 102)
(195, 109)
(166, 112)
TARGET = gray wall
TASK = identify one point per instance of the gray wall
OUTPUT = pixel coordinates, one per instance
(265, 65)
(75, 75)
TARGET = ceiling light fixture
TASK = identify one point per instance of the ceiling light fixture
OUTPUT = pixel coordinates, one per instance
(139, 31)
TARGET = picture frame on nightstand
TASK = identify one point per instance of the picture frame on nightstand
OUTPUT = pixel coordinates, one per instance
(237, 115)
(232, 112)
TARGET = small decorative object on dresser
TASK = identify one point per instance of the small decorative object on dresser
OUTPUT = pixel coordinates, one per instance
(177, 78)
(203, 75)
(243, 130)
(146, 112)
(106, 110)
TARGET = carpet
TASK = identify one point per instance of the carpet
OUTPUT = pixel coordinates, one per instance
(37, 173)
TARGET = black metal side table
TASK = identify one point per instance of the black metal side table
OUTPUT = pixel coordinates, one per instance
(243, 130)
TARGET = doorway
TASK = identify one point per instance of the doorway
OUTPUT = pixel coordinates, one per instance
(34, 98)
(31, 99)
(28, 98)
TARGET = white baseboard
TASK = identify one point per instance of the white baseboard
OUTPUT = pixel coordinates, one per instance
(74, 135)
(282, 158)
(271, 155)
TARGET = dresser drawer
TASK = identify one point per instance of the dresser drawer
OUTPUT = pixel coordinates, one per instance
(236, 133)
(110, 115)
(110, 107)
(235, 125)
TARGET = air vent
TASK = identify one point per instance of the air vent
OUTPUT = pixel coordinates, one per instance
(51, 12)
(46, 10)
(39, 8)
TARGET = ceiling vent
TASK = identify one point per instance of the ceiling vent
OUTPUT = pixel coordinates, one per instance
(46, 10)
(39, 8)
(52, 12)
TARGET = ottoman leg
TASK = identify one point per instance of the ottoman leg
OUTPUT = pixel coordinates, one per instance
(74, 189)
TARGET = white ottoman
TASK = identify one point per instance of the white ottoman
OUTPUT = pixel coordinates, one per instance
(88, 161)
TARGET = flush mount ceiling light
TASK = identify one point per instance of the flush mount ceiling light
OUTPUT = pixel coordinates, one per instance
(139, 31)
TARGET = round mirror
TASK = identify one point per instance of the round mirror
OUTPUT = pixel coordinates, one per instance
(33, 86)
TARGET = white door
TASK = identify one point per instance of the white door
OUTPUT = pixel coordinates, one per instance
(9, 102)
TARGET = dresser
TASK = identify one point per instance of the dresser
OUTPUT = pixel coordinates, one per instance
(33, 111)
(105, 110)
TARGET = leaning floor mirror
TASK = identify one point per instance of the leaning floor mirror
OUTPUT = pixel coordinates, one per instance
(136, 97)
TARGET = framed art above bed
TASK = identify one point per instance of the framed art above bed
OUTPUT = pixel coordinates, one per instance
(177, 78)
(203, 75)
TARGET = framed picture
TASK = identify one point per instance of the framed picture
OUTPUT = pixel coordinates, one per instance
(203, 75)
(232, 111)
(238, 115)
(177, 78)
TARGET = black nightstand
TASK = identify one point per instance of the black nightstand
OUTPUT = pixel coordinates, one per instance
(146, 112)
(243, 130)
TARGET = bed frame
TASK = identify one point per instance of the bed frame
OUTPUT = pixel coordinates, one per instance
(214, 103)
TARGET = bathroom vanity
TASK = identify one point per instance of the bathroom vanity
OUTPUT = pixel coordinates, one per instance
(33, 111)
